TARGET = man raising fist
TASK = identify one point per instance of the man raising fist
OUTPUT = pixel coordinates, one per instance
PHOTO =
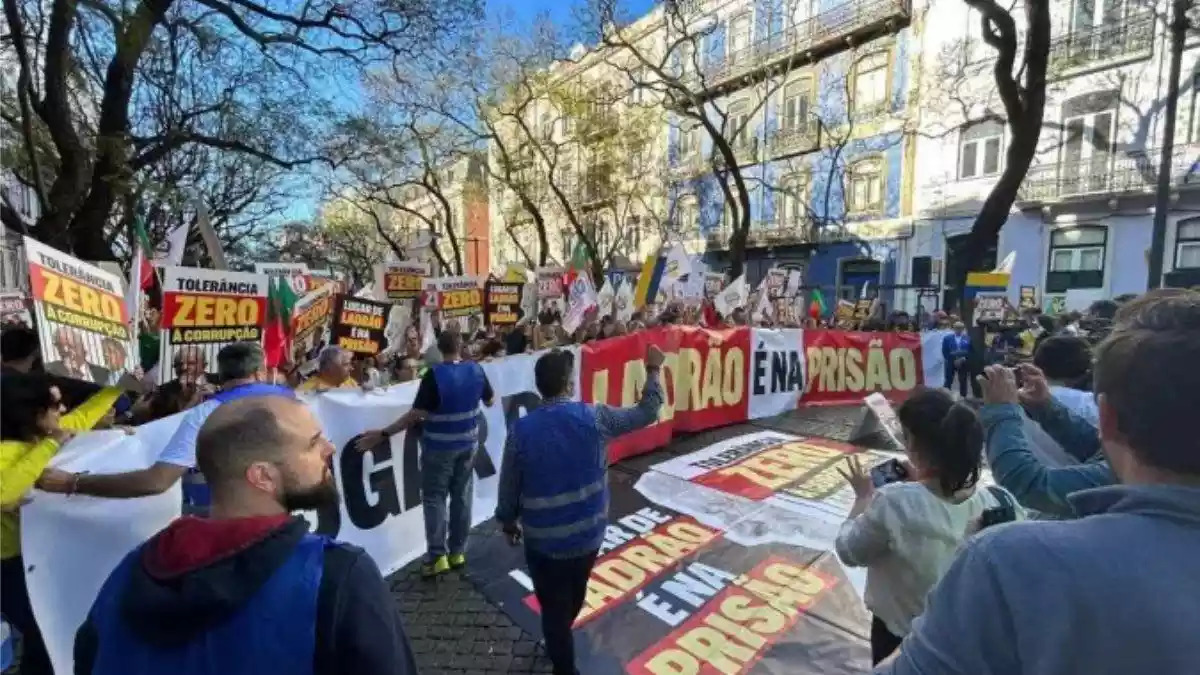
(554, 480)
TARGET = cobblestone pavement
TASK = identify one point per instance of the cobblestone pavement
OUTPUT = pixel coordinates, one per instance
(453, 628)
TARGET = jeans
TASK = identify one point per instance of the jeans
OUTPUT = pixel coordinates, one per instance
(14, 604)
(447, 473)
(560, 586)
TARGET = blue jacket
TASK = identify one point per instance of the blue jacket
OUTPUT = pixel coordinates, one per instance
(1034, 484)
(455, 423)
(563, 512)
(274, 632)
(1114, 592)
(954, 347)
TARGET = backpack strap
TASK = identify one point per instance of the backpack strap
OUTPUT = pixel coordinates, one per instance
(1001, 495)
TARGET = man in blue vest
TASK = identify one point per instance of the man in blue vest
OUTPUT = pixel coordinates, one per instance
(447, 407)
(248, 589)
(553, 479)
(243, 372)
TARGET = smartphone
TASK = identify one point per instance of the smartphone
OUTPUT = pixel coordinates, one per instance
(891, 471)
(996, 515)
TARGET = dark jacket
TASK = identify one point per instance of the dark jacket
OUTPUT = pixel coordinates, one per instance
(196, 573)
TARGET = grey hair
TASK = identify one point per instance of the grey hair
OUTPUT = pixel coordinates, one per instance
(240, 360)
(329, 355)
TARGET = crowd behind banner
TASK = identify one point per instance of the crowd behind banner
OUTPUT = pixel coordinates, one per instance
(733, 354)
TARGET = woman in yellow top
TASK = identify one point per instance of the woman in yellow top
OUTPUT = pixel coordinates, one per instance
(32, 429)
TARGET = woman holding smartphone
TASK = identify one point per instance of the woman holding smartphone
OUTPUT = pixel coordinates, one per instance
(907, 532)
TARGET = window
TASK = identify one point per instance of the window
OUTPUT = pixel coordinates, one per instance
(739, 38)
(865, 190)
(794, 113)
(799, 12)
(739, 124)
(687, 59)
(979, 150)
(689, 140)
(687, 216)
(1187, 245)
(789, 205)
(870, 84)
(1089, 123)
(1076, 258)
(547, 125)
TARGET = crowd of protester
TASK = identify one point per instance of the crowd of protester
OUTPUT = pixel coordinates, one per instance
(1107, 587)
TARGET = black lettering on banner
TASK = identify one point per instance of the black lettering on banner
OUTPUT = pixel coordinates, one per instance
(363, 514)
(785, 371)
(760, 371)
(482, 462)
(412, 468)
(329, 520)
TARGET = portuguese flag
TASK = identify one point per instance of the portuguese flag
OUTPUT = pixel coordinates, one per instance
(277, 339)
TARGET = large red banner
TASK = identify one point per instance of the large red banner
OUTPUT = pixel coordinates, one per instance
(711, 376)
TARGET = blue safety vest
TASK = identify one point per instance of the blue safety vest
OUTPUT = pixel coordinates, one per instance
(564, 497)
(455, 423)
(196, 496)
(275, 632)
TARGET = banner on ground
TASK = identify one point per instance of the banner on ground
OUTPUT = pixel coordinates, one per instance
(82, 323)
(502, 303)
(207, 309)
(402, 280)
(311, 319)
(358, 325)
(297, 274)
(712, 377)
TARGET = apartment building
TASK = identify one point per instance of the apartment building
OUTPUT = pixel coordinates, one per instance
(462, 186)
(1081, 228)
(814, 98)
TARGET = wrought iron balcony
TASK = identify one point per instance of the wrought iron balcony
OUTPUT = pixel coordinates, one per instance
(1109, 174)
(805, 42)
(1127, 37)
(796, 140)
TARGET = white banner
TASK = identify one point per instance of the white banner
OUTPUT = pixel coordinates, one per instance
(776, 375)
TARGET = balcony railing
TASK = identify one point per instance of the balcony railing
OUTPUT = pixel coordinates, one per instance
(810, 39)
(780, 232)
(1121, 172)
(804, 138)
(1130, 36)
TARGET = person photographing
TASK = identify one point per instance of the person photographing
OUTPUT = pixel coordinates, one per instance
(907, 532)
(554, 489)
(447, 407)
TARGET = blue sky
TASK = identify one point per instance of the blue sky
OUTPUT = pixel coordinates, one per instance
(559, 10)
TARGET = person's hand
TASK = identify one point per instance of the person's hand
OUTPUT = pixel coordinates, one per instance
(1035, 390)
(654, 357)
(859, 480)
(513, 532)
(999, 385)
(369, 440)
(56, 481)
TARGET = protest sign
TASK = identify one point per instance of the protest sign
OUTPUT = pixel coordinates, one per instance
(503, 303)
(297, 274)
(775, 282)
(459, 297)
(358, 325)
(311, 319)
(402, 280)
(1029, 299)
(208, 309)
(82, 322)
(713, 283)
(990, 307)
(14, 309)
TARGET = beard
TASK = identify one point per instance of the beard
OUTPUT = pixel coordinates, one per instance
(310, 497)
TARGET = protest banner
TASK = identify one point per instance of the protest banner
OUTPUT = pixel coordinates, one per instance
(551, 291)
(82, 323)
(990, 306)
(775, 282)
(713, 283)
(358, 325)
(207, 309)
(459, 297)
(14, 309)
(1028, 297)
(712, 378)
(311, 320)
(843, 315)
(402, 280)
(297, 274)
(502, 303)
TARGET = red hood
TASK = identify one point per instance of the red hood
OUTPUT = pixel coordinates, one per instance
(190, 543)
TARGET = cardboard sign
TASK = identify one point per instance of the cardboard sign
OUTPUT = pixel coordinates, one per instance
(358, 325)
(990, 307)
(205, 310)
(297, 274)
(459, 296)
(550, 283)
(775, 282)
(82, 323)
(713, 283)
(1028, 298)
(402, 280)
(311, 318)
(14, 309)
(502, 303)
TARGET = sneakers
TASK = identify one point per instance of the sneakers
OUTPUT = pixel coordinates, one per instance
(439, 566)
(457, 560)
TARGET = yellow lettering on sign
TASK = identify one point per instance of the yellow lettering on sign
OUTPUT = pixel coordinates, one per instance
(74, 296)
(470, 297)
(191, 310)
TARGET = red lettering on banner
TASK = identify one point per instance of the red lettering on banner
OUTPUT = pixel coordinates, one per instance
(844, 366)
(731, 632)
(762, 474)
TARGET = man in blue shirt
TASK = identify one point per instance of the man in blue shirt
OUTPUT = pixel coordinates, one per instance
(1114, 591)
(447, 407)
(956, 347)
(553, 479)
(243, 372)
